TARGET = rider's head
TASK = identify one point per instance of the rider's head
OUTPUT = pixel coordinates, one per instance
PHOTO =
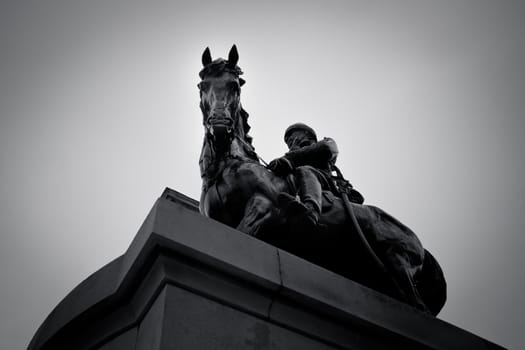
(299, 135)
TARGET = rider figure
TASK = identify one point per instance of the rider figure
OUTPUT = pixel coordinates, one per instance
(312, 162)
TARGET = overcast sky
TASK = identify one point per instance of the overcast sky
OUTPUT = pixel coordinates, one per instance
(99, 112)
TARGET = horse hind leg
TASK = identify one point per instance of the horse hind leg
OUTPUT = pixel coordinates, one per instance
(403, 272)
(259, 212)
(431, 284)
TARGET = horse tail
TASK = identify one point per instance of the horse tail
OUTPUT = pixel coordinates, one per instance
(431, 284)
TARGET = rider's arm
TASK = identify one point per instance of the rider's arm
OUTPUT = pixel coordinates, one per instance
(319, 153)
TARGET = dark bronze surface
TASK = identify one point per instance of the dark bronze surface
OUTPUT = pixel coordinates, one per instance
(240, 192)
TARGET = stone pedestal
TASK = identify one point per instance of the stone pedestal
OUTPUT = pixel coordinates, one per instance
(189, 282)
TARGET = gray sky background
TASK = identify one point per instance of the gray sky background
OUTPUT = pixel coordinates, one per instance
(99, 112)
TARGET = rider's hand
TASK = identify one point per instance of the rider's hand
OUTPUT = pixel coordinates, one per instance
(281, 166)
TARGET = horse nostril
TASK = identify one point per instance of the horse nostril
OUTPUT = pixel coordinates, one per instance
(219, 113)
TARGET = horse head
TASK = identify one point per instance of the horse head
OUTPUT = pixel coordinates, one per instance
(225, 121)
(220, 89)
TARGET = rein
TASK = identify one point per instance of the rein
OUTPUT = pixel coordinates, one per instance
(250, 147)
(344, 188)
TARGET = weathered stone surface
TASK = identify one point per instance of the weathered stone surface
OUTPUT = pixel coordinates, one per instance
(150, 329)
(193, 322)
(188, 280)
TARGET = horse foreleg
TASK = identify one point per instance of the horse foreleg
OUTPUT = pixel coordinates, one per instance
(258, 212)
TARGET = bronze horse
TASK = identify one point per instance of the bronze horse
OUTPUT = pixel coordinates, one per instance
(240, 192)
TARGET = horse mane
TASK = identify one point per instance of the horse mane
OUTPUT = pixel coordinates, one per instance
(207, 166)
(245, 126)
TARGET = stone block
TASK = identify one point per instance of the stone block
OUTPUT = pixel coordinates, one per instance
(189, 282)
(124, 341)
(195, 322)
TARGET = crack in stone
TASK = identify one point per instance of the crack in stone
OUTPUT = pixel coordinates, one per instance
(278, 291)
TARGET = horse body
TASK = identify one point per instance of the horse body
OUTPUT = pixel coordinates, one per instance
(241, 187)
(240, 192)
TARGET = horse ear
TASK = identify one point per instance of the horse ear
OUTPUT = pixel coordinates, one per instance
(233, 56)
(241, 81)
(206, 57)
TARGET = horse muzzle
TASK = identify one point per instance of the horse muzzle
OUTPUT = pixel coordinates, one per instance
(220, 131)
(218, 127)
(217, 131)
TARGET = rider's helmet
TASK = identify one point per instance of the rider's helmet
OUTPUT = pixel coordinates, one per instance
(299, 126)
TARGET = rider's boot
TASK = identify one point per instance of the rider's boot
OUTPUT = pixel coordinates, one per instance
(311, 216)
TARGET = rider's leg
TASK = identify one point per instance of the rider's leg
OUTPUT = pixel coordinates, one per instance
(305, 212)
(310, 191)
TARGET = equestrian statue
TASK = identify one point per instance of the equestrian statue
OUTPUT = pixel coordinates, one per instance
(301, 202)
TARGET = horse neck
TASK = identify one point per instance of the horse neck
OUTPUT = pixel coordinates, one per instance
(213, 163)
